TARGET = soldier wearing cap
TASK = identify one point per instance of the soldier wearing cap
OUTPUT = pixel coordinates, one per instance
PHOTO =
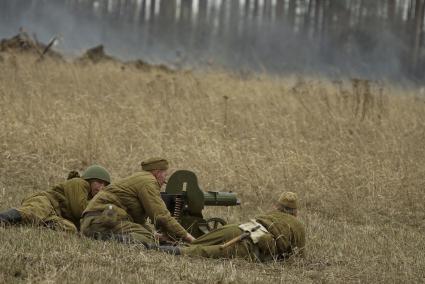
(121, 210)
(271, 236)
(61, 206)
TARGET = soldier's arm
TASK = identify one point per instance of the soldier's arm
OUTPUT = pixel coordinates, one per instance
(301, 242)
(280, 231)
(158, 212)
(77, 192)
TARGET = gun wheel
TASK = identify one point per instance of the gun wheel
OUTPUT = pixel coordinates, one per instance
(215, 223)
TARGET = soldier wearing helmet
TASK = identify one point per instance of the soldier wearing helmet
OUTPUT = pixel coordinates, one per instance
(270, 236)
(122, 209)
(61, 206)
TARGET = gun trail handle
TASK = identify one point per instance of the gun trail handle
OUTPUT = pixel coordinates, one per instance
(235, 240)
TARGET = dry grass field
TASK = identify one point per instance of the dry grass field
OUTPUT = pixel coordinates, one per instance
(354, 152)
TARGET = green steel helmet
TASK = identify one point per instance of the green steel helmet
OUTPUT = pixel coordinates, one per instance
(97, 172)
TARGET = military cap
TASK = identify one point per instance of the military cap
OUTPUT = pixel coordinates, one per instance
(154, 164)
(288, 199)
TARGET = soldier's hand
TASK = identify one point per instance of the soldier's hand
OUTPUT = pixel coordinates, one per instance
(162, 238)
(189, 238)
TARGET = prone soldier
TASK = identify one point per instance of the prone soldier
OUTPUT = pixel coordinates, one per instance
(120, 211)
(271, 236)
(60, 207)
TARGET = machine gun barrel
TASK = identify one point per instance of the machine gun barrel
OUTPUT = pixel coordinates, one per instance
(215, 198)
(211, 198)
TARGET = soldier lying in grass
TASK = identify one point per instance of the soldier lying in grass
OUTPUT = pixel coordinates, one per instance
(271, 236)
(121, 210)
(60, 207)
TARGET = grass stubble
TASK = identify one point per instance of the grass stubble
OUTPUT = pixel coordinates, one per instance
(354, 152)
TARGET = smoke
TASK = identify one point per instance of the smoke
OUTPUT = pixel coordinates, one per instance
(233, 34)
(48, 18)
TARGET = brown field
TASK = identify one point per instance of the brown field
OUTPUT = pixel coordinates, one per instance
(354, 152)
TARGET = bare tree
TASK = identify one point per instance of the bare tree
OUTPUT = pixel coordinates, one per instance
(419, 23)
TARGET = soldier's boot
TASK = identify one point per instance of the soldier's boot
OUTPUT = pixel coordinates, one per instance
(10, 217)
(170, 249)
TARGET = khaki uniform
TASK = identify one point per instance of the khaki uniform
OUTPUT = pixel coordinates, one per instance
(123, 207)
(285, 236)
(59, 207)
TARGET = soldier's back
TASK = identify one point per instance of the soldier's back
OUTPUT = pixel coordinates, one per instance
(288, 231)
(60, 196)
(124, 194)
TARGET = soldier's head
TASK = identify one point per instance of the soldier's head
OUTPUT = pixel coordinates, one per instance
(158, 167)
(288, 203)
(98, 177)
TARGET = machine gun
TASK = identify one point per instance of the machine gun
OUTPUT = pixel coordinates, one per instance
(185, 201)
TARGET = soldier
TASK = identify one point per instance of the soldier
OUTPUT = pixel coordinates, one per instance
(120, 211)
(271, 236)
(60, 207)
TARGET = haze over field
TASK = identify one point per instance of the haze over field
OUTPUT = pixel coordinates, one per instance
(380, 39)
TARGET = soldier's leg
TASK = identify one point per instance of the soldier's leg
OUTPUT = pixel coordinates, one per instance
(60, 224)
(38, 210)
(219, 236)
(101, 227)
(96, 227)
(243, 249)
(137, 232)
(213, 251)
(35, 209)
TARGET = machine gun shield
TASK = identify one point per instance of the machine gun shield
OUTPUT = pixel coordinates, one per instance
(185, 201)
(186, 181)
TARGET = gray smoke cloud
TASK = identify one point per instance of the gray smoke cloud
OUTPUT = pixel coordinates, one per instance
(233, 34)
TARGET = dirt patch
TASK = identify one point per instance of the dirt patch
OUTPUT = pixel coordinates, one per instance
(144, 66)
(23, 43)
(96, 55)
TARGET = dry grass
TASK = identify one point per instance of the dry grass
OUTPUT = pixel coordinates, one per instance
(353, 151)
